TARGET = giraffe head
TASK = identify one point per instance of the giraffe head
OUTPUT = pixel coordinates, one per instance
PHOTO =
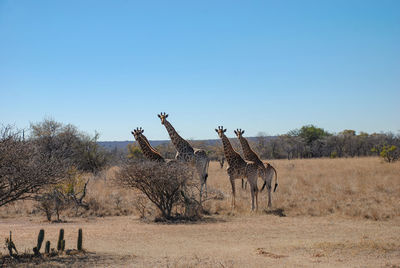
(137, 133)
(239, 132)
(163, 116)
(220, 131)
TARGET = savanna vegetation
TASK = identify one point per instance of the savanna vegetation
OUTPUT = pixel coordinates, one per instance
(55, 173)
(52, 165)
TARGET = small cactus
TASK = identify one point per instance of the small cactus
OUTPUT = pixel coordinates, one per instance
(62, 245)
(80, 238)
(40, 239)
(36, 250)
(60, 239)
(47, 249)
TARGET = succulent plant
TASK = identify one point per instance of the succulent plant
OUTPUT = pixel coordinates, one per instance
(60, 239)
(80, 238)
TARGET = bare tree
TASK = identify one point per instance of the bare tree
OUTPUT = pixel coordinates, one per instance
(24, 170)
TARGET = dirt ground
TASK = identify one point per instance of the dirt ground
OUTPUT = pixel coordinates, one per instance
(338, 213)
(229, 241)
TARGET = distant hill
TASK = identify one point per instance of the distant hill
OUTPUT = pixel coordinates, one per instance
(121, 145)
(111, 145)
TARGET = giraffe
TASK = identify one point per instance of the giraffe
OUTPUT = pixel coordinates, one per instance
(265, 172)
(148, 151)
(186, 153)
(238, 168)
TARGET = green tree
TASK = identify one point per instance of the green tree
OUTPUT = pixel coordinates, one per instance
(311, 133)
(389, 153)
(134, 152)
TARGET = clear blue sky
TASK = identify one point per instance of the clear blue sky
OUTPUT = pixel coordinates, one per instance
(263, 66)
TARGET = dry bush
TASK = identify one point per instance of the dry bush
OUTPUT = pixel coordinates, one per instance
(167, 185)
(103, 198)
(143, 206)
(24, 170)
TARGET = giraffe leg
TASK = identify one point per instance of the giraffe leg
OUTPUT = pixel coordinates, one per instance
(233, 193)
(201, 194)
(256, 193)
(205, 177)
(201, 164)
(252, 198)
(269, 196)
(244, 184)
(252, 177)
(205, 186)
(255, 196)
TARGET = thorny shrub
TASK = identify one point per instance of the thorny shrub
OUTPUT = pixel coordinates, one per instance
(171, 187)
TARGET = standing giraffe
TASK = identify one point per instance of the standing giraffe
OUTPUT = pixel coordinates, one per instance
(265, 172)
(238, 168)
(148, 151)
(186, 153)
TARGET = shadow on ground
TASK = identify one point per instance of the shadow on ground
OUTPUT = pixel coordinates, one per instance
(202, 220)
(77, 260)
(277, 212)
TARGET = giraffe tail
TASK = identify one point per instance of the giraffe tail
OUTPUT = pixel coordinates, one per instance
(206, 175)
(262, 188)
(276, 179)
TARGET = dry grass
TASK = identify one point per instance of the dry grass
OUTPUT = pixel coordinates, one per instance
(355, 187)
(352, 187)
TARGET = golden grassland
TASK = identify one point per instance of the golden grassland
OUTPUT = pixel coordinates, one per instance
(355, 187)
(339, 213)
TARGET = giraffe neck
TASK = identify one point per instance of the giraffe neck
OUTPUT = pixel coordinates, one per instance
(147, 141)
(149, 145)
(147, 150)
(230, 154)
(248, 153)
(181, 145)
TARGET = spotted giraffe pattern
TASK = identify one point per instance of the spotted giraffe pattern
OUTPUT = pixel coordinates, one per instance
(186, 153)
(265, 172)
(238, 168)
(148, 151)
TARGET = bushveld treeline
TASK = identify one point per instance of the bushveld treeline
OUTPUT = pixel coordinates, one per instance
(307, 142)
(310, 141)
